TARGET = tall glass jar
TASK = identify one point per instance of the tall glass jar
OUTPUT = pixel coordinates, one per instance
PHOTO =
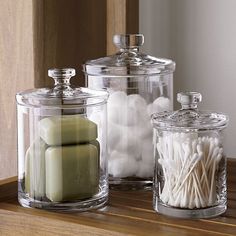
(62, 150)
(190, 165)
(139, 85)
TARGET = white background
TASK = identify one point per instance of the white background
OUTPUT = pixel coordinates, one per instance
(200, 36)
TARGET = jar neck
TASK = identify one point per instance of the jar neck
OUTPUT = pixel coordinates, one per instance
(189, 106)
(128, 49)
(62, 81)
(129, 55)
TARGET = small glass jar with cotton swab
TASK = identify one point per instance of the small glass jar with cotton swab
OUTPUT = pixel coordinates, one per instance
(190, 165)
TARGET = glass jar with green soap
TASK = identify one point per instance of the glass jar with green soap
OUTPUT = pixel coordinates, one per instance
(62, 150)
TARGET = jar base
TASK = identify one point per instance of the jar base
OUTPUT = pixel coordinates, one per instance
(130, 183)
(76, 206)
(209, 212)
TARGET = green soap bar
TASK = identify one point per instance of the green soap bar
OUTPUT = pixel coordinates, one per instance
(35, 169)
(72, 172)
(97, 144)
(67, 129)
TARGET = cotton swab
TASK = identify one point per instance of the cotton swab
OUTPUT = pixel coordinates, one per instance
(189, 164)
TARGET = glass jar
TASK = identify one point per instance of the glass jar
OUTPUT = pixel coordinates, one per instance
(139, 85)
(62, 150)
(190, 165)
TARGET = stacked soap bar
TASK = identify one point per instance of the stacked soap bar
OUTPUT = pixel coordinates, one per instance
(35, 169)
(69, 160)
(70, 129)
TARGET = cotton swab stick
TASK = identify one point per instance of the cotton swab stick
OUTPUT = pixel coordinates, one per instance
(189, 165)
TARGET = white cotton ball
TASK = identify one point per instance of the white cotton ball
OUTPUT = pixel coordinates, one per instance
(148, 152)
(162, 104)
(139, 105)
(115, 133)
(130, 143)
(133, 117)
(127, 110)
(123, 116)
(159, 105)
(118, 98)
(131, 112)
(137, 117)
(146, 130)
(117, 107)
(115, 155)
(117, 114)
(151, 109)
(137, 101)
(122, 165)
(128, 117)
(145, 170)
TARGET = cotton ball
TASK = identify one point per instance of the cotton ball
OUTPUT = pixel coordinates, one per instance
(162, 104)
(139, 105)
(135, 100)
(117, 107)
(134, 117)
(146, 130)
(131, 112)
(117, 114)
(128, 116)
(115, 133)
(145, 170)
(115, 155)
(122, 165)
(151, 109)
(148, 152)
(118, 98)
(125, 116)
(159, 105)
(130, 143)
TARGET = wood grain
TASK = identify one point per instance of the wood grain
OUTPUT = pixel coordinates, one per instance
(122, 18)
(16, 74)
(128, 213)
(36, 35)
(66, 34)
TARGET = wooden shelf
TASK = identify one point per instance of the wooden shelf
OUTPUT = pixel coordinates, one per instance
(128, 213)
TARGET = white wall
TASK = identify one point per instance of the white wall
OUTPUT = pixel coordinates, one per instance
(201, 37)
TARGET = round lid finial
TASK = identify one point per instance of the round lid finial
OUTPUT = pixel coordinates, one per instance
(61, 73)
(128, 40)
(189, 99)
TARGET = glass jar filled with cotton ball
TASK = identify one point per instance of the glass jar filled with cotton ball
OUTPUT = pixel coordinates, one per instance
(190, 165)
(139, 85)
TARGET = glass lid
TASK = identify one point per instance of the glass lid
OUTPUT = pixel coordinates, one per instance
(62, 93)
(189, 117)
(128, 60)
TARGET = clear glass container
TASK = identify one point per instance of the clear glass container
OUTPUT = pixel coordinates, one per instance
(139, 85)
(62, 150)
(190, 165)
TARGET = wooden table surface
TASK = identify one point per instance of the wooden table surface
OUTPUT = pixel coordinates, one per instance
(128, 213)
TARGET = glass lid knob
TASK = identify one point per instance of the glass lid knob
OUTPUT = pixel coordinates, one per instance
(61, 75)
(62, 87)
(128, 40)
(189, 100)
